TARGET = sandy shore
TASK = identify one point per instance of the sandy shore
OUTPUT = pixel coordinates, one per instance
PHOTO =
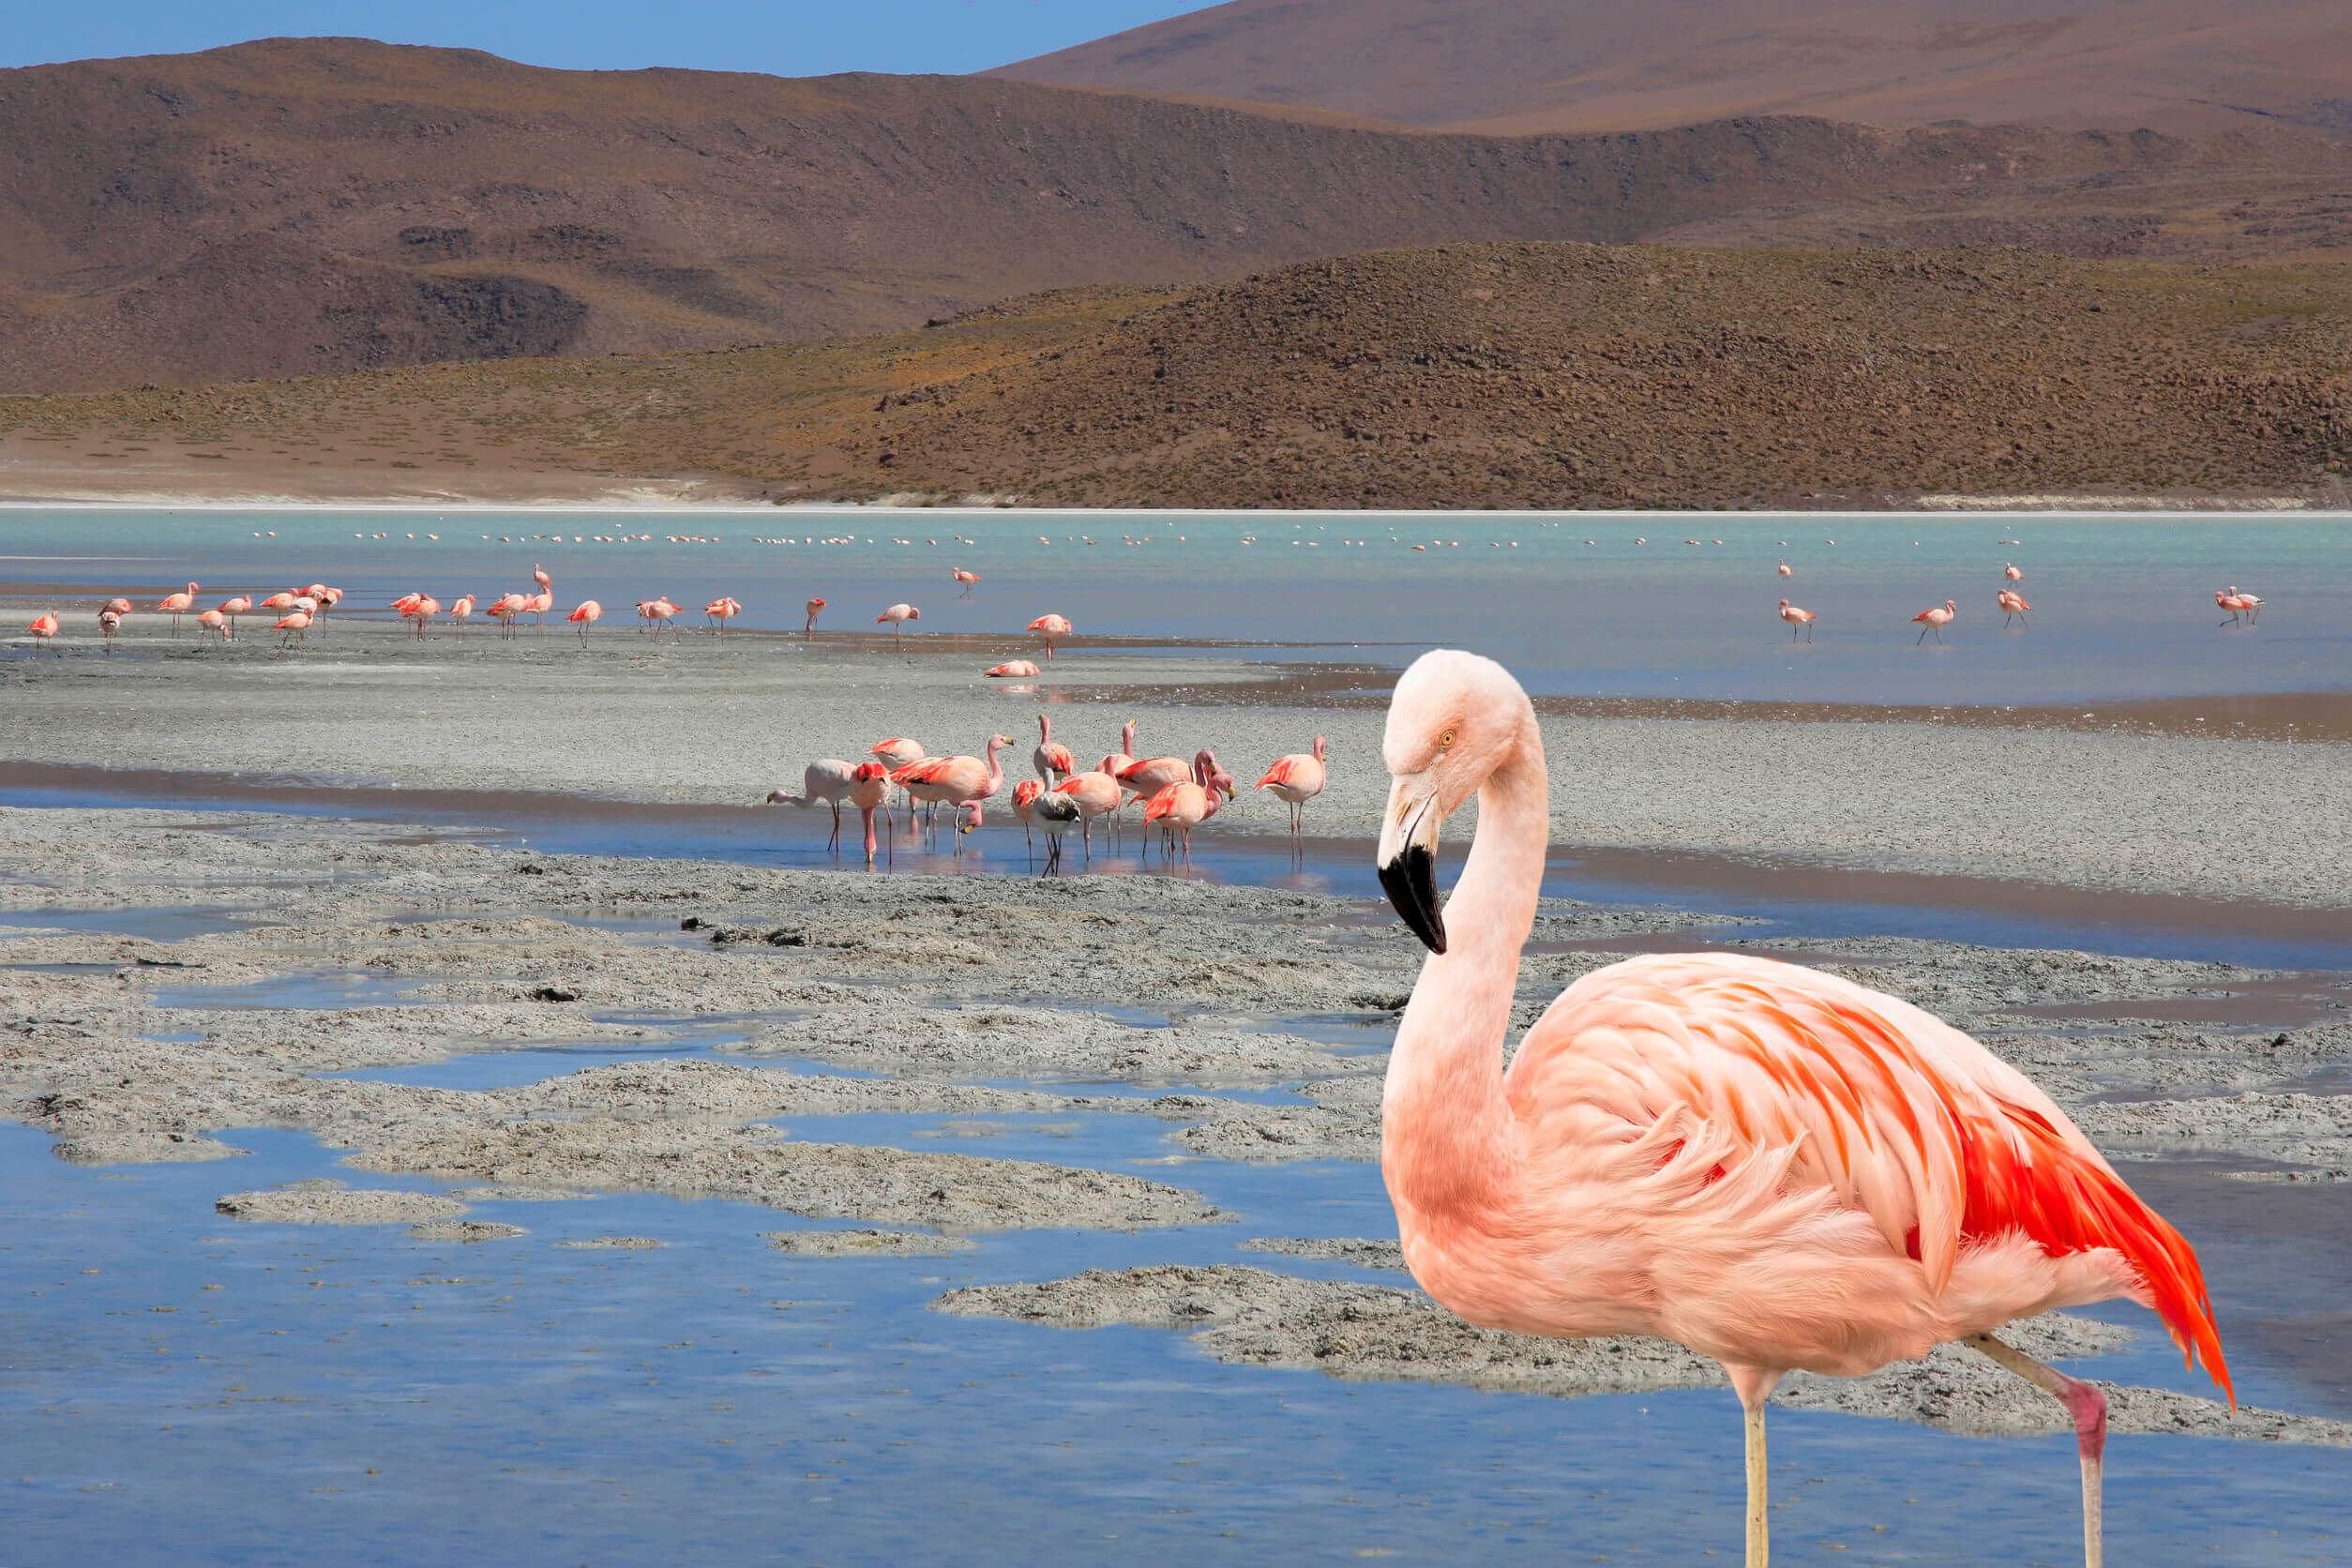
(964, 998)
(698, 722)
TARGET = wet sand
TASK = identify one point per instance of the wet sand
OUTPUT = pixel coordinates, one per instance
(339, 953)
(2131, 811)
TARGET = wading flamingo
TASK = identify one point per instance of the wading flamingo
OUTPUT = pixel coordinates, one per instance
(1025, 795)
(1018, 667)
(2252, 601)
(109, 622)
(1784, 569)
(1150, 776)
(44, 631)
(869, 792)
(1796, 618)
(898, 615)
(2014, 604)
(895, 753)
(721, 611)
(1769, 1164)
(585, 614)
(827, 779)
(2011, 573)
(958, 781)
(1935, 620)
(813, 605)
(1053, 759)
(1296, 779)
(1050, 629)
(232, 608)
(967, 579)
(294, 627)
(1181, 808)
(1057, 811)
(176, 605)
(1098, 795)
(2236, 607)
(213, 624)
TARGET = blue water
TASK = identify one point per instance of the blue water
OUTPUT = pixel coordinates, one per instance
(2122, 605)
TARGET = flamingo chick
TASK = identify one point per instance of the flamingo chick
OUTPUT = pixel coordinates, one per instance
(1296, 779)
(1057, 811)
(1796, 618)
(1935, 620)
(1769, 1164)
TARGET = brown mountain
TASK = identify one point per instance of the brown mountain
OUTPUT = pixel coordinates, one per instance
(2190, 66)
(1479, 374)
(294, 206)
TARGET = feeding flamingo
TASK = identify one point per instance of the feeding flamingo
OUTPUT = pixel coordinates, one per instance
(2252, 601)
(176, 605)
(956, 781)
(895, 753)
(656, 614)
(1935, 620)
(1050, 629)
(1796, 618)
(813, 605)
(585, 614)
(212, 623)
(869, 792)
(44, 631)
(721, 611)
(122, 606)
(231, 607)
(2014, 604)
(1018, 667)
(1769, 1164)
(1183, 807)
(294, 627)
(827, 779)
(109, 622)
(898, 615)
(1051, 756)
(1098, 795)
(1296, 779)
(967, 579)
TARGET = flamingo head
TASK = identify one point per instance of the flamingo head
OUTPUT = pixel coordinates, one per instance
(1454, 721)
(866, 773)
(972, 821)
(1318, 748)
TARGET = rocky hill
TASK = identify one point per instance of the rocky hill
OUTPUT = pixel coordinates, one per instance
(1507, 375)
(2192, 67)
(299, 207)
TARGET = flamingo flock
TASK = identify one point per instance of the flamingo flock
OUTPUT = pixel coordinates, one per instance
(2244, 609)
(1177, 793)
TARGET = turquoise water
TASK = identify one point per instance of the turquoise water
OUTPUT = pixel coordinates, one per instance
(2122, 605)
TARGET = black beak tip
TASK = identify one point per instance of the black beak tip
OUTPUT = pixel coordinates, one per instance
(1410, 882)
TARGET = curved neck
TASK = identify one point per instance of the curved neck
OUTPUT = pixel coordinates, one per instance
(1449, 1144)
(996, 772)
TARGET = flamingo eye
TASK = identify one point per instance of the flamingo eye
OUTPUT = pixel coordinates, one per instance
(1446, 739)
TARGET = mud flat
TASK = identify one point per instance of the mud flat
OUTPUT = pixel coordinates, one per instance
(2128, 811)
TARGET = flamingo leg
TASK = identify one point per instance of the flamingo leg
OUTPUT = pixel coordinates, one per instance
(2087, 1405)
(834, 843)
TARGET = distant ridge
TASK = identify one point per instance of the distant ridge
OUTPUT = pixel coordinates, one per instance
(299, 207)
(2184, 67)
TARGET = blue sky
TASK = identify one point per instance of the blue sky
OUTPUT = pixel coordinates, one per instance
(789, 37)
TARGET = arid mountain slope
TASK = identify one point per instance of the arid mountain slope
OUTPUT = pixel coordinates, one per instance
(2180, 65)
(297, 206)
(1470, 375)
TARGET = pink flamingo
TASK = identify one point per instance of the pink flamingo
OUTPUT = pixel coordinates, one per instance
(425, 607)
(504, 611)
(232, 608)
(280, 602)
(1149, 776)
(176, 605)
(1796, 618)
(109, 622)
(2011, 573)
(1096, 794)
(1771, 1165)
(537, 605)
(294, 627)
(1050, 629)
(319, 592)
(869, 792)
(1297, 779)
(962, 782)
(212, 623)
(1011, 668)
(967, 579)
(461, 610)
(656, 612)
(1051, 756)
(2015, 605)
(120, 607)
(44, 631)
(1784, 569)
(2234, 604)
(898, 752)
(1025, 795)
(584, 615)
(2252, 601)
(1183, 807)
(898, 615)
(720, 612)
(1935, 620)
(813, 605)
(827, 779)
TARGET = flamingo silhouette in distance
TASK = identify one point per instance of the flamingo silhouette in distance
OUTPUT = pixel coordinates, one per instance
(1770, 1165)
